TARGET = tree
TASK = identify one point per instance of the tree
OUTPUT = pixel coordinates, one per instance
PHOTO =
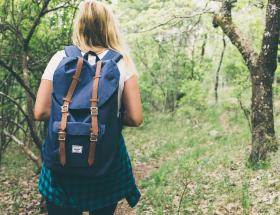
(262, 67)
(22, 51)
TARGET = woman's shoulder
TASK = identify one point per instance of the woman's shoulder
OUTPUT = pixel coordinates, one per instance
(126, 69)
(52, 65)
(57, 57)
(60, 54)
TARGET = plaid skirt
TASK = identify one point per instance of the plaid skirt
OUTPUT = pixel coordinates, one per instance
(92, 193)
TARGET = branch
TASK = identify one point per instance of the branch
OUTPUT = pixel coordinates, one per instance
(18, 78)
(157, 26)
(186, 184)
(199, 17)
(26, 150)
(6, 26)
(36, 23)
(224, 20)
(65, 5)
(175, 18)
(72, 21)
(42, 12)
(271, 35)
(16, 103)
(206, 11)
(5, 119)
(246, 114)
(35, 137)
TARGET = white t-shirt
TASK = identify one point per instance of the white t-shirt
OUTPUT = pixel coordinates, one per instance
(125, 72)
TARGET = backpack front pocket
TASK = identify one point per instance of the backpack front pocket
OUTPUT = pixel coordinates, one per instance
(77, 142)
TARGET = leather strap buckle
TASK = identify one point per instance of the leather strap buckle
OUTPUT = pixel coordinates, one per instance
(97, 76)
(66, 99)
(64, 108)
(93, 137)
(76, 77)
(94, 111)
(94, 100)
(61, 135)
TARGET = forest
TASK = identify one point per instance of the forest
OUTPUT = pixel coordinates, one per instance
(209, 78)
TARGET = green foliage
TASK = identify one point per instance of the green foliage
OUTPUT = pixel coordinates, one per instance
(245, 199)
(194, 99)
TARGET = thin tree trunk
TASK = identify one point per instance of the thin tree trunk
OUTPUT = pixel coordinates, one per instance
(30, 113)
(203, 47)
(218, 70)
(247, 114)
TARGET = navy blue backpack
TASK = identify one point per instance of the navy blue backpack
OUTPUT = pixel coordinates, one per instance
(84, 126)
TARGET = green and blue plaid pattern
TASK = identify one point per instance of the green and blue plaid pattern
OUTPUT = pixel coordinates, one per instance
(91, 193)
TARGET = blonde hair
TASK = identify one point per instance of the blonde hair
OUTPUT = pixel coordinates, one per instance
(96, 29)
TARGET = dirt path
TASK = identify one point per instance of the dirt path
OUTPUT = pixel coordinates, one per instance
(224, 120)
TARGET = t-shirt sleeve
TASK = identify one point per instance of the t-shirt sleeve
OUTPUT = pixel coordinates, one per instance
(126, 69)
(52, 65)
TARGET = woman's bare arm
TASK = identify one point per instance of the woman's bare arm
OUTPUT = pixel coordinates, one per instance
(42, 107)
(131, 98)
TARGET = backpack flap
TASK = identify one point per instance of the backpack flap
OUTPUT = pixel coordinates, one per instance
(63, 77)
(108, 83)
(112, 55)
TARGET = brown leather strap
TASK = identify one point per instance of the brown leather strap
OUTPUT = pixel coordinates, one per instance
(94, 114)
(64, 111)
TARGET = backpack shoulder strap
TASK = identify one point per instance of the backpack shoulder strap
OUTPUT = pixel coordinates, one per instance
(72, 51)
(65, 109)
(112, 54)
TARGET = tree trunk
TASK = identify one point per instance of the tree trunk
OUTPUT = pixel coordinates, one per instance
(262, 67)
(169, 101)
(33, 132)
(262, 119)
(218, 70)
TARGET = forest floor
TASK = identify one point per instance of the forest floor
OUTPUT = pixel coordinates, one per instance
(183, 164)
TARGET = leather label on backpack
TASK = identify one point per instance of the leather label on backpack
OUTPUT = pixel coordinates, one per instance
(77, 149)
